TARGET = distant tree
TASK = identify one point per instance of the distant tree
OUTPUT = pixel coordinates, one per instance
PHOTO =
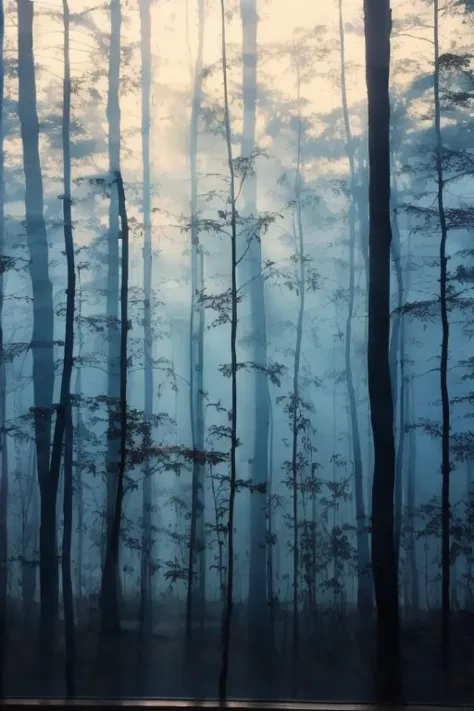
(364, 591)
(42, 337)
(197, 556)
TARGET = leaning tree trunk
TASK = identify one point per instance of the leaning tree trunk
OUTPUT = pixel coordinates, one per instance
(65, 403)
(229, 588)
(364, 588)
(109, 607)
(377, 34)
(146, 622)
(43, 325)
(252, 273)
(445, 408)
(195, 600)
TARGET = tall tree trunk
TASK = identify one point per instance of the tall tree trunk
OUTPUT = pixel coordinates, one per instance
(229, 588)
(445, 427)
(252, 271)
(296, 373)
(65, 403)
(377, 34)
(110, 588)
(411, 498)
(195, 601)
(397, 353)
(3, 439)
(146, 622)
(270, 534)
(43, 325)
(364, 587)
(79, 442)
(109, 607)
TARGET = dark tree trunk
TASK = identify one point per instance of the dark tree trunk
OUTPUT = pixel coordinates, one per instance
(229, 588)
(146, 621)
(110, 575)
(3, 439)
(195, 601)
(364, 583)
(42, 337)
(397, 355)
(113, 270)
(377, 34)
(445, 408)
(65, 403)
(110, 588)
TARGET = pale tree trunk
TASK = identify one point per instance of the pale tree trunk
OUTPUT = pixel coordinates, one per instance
(252, 276)
(364, 587)
(195, 602)
(388, 664)
(146, 611)
(43, 327)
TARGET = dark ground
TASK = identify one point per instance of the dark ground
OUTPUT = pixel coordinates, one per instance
(334, 664)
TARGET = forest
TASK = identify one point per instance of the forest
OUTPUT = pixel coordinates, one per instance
(236, 366)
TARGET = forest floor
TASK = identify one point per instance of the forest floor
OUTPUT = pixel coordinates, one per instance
(335, 662)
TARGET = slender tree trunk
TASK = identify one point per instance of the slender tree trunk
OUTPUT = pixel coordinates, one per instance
(110, 589)
(229, 589)
(270, 534)
(79, 442)
(43, 323)
(109, 605)
(397, 353)
(113, 269)
(195, 601)
(3, 438)
(146, 621)
(411, 498)
(296, 384)
(252, 270)
(65, 404)
(364, 588)
(377, 33)
(445, 408)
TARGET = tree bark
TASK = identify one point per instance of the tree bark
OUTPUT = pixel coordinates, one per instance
(377, 34)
